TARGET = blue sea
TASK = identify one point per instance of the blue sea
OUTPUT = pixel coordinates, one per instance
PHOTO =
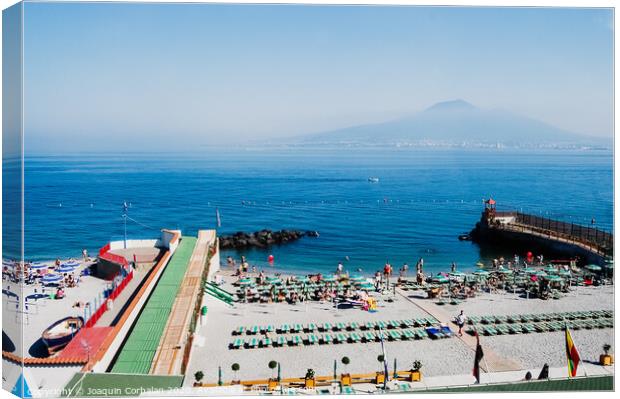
(423, 201)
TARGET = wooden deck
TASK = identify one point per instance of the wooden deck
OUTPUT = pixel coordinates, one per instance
(169, 356)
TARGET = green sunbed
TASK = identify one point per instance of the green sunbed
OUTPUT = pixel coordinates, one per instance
(354, 337)
(253, 343)
(284, 328)
(280, 341)
(311, 327)
(265, 342)
(340, 326)
(295, 340)
(353, 326)
(369, 336)
(326, 339)
(312, 339)
(394, 335)
(236, 344)
(239, 330)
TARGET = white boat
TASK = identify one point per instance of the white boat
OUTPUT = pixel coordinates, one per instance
(373, 179)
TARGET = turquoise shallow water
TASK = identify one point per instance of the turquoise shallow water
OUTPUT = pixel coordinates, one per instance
(423, 201)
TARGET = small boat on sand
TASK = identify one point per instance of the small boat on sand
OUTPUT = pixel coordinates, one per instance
(59, 334)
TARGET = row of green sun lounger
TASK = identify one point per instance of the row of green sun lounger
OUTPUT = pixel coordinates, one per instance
(325, 339)
(339, 326)
(529, 318)
(539, 327)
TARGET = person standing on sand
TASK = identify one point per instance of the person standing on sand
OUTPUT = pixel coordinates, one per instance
(460, 321)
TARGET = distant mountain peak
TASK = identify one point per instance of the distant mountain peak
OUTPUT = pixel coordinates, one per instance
(452, 105)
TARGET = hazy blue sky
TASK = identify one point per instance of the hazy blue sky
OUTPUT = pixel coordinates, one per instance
(97, 75)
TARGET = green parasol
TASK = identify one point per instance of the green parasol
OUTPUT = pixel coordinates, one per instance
(594, 268)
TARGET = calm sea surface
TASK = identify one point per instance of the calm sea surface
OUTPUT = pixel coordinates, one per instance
(423, 201)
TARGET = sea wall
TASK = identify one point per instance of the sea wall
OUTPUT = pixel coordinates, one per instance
(538, 244)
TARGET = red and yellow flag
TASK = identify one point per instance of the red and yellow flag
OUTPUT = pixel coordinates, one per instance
(572, 355)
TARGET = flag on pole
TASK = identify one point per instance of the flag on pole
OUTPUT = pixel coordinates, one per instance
(477, 358)
(217, 217)
(572, 355)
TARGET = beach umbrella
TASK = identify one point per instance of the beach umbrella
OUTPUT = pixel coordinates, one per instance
(594, 268)
(529, 270)
(73, 263)
(366, 286)
(329, 279)
(480, 264)
(274, 280)
(505, 271)
(550, 269)
(65, 269)
(441, 279)
(457, 274)
(480, 272)
(303, 279)
(51, 278)
(553, 278)
(38, 266)
(245, 281)
(357, 278)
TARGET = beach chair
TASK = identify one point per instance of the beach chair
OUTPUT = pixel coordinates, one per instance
(419, 322)
(295, 340)
(502, 329)
(434, 332)
(369, 325)
(268, 328)
(239, 331)
(265, 342)
(381, 325)
(353, 326)
(513, 319)
(368, 336)
(339, 338)
(394, 324)
(296, 328)
(326, 339)
(514, 329)
(311, 327)
(312, 339)
(528, 328)
(325, 327)
(254, 330)
(447, 331)
(236, 344)
(253, 343)
(284, 329)
(407, 323)
(487, 319)
(354, 337)
(406, 335)
(381, 335)
(394, 335)
(280, 341)
(421, 333)
(501, 319)
(345, 390)
(473, 319)
(537, 318)
(489, 330)
(340, 326)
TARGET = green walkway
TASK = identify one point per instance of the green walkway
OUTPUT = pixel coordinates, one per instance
(139, 349)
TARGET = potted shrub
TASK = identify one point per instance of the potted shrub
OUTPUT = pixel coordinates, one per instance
(415, 373)
(380, 375)
(345, 378)
(273, 382)
(309, 380)
(198, 375)
(606, 359)
(235, 368)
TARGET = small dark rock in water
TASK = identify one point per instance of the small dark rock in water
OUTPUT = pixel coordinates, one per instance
(262, 239)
